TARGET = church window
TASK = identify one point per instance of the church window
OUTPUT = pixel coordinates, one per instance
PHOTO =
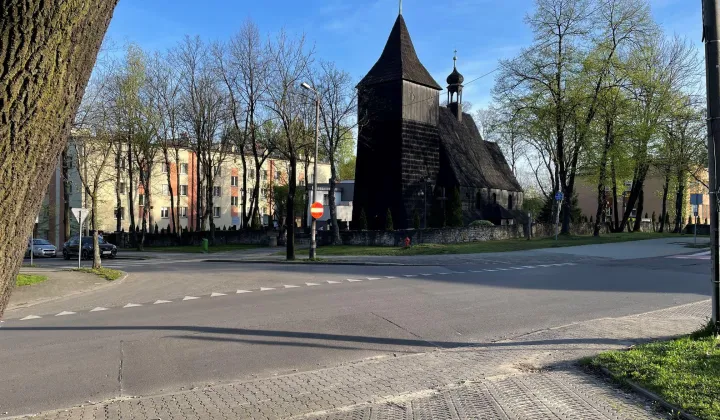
(510, 202)
(494, 198)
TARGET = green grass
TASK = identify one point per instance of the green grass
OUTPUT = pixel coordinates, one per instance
(28, 279)
(195, 249)
(106, 273)
(488, 246)
(685, 372)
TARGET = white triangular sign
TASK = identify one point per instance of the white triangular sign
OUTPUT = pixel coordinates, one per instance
(80, 214)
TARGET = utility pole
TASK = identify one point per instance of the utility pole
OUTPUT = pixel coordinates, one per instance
(711, 21)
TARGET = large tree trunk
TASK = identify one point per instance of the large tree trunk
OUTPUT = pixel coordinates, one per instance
(97, 262)
(131, 197)
(601, 178)
(616, 213)
(292, 187)
(66, 194)
(333, 205)
(640, 209)
(47, 53)
(679, 201)
(118, 198)
(173, 226)
(663, 212)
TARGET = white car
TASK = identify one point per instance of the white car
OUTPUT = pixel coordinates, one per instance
(41, 248)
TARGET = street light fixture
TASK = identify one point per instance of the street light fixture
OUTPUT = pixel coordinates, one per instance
(313, 229)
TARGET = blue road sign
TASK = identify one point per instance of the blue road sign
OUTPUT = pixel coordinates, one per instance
(696, 199)
(559, 196)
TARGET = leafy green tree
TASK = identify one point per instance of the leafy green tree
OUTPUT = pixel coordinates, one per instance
(389, 221)
(453, 209)
(363, 220)
(416, 219)
(346, 169)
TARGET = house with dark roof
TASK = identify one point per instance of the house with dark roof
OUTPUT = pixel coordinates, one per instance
(412, 151)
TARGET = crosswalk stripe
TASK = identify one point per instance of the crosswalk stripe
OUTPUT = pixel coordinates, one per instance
(65, 313)
(98, 309)
(190, 298)
(29, 317)
(353, 280)
(160, 302)
(265, 289)
(334, 282)
(290, 286)
(215, 294)
(132, 305)
(312, 284)
(243, 291)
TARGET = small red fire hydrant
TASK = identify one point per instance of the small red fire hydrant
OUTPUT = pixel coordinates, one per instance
(407, 242)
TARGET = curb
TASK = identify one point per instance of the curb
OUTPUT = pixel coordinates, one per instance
(650, 395)
(303, 262)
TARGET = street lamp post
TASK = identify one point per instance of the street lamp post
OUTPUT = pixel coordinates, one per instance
(313, 228)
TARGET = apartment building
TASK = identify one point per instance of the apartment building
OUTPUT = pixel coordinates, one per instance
(183, 181)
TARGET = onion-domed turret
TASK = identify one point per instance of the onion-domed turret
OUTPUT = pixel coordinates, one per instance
(455, 77)
(455, 87)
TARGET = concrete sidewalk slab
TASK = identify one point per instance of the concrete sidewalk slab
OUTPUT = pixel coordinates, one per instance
(631, 250)
(533, 376)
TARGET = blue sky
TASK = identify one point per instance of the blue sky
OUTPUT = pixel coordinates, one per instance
(353, 32)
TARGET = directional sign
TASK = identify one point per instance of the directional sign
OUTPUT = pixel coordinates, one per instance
(696, 199)
(559, 196)
(80, 214)
(316, 210)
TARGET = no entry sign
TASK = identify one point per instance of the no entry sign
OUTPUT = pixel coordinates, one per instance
(316, 210)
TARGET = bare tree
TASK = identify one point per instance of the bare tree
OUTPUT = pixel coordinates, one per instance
(338, 109)
(290, 65)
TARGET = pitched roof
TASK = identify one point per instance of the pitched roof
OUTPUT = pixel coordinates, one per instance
(474, 161)
(399, 61)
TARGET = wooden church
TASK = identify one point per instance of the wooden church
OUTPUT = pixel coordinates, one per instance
(410, 147)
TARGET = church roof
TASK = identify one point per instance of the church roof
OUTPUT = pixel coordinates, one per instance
(474, 161)
(399, 61)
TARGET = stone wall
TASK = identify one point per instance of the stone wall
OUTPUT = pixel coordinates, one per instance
(195, 238)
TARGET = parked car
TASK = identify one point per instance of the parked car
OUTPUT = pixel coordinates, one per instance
(41, 248)
(107, 250)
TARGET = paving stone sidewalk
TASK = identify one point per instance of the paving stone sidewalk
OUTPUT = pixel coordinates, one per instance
(533, 376)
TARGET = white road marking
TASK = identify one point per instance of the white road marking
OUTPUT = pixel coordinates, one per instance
(30, 317)
(353, 280)
(390, 277)
(98, 309)
(528, 266)
(312, 284)
(489, 270)
(265, 289)
(545, 265)
(372, 278)
(190, 298)
(426, 275)
(65, 313)
(333, 282)
(442, 274)
(477, 271)
(243, 291)
(132, 305)
(516, 268)
(410, 275)
(290, 286)
(160, 302)
(215, 294)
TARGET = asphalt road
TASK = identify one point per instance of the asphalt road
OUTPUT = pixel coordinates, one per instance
(270, 319)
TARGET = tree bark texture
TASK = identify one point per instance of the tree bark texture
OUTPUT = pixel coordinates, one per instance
(616, 213)
(679, 199)
(601, 199)
(292, 188)
(333, 205)
(663, 212)
(118, 198)
(47, 52)
(66, 193)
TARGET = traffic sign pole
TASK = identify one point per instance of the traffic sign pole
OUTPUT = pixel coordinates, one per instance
(80, 220)
(559, 199)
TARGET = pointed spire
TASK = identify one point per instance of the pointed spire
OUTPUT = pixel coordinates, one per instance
(455, 60)
(400, 8)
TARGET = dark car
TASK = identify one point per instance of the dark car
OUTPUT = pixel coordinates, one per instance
(107, 250)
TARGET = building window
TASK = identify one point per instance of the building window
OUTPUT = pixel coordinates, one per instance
(183, 212)
(326, 200)
(166, 189)
(234, 201)
(141, 199)
(218, 171)
(494, 198)
(217, 191)
(164, 213)
(216, 212)
(233, 181)
(510, 202)
(183, 190)
(264, 175)
(278, 174)
(302, 182)
(183, 168)
(165, 167)
(121, 211)
(121, 187)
